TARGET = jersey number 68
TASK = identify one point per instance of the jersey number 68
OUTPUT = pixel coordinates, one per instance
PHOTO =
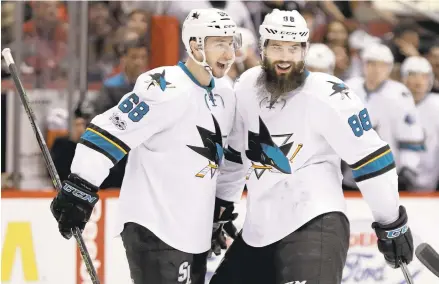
(360, 123)
(138, 112)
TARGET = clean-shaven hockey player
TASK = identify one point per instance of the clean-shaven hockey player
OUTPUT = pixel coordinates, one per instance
(417, 75)
(320, 58)
(295, 228)
(392, 111)
(173, 125)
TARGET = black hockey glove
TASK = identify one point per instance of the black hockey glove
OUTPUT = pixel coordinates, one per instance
(223, 224)
(406, 177)
(395, 240)
(73, 204)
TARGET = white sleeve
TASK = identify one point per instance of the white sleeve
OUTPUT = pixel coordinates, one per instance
(232, 177)
(111, 135)
(345, 125)
(409, 133)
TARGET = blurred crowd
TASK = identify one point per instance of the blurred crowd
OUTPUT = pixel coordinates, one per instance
(120, 48)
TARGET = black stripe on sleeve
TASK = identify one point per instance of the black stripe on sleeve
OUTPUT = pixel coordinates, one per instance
(375, 174)
(370, 157)
(110, 136)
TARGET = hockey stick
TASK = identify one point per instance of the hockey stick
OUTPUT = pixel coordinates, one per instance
(429, 257)
(46, 154)
(406, 272)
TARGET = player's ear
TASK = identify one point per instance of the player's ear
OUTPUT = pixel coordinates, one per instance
(194, 46)
(195, 50)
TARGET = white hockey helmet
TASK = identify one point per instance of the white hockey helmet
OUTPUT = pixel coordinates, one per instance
(377, 52)
(417, 64)
(283, 26)
(320, 56)
(202, 23)
(359, 39)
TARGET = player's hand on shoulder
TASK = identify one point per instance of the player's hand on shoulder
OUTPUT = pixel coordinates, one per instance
(223, 225)
(395, 240)
(73, 204)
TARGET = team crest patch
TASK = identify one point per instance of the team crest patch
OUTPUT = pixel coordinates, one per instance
(339, 88)
(409, 119)
(158, 80)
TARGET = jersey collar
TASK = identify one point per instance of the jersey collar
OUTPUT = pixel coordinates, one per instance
(207, 88)
(306, 72)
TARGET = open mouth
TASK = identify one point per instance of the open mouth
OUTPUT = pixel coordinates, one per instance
(283, 67)
(221, 66)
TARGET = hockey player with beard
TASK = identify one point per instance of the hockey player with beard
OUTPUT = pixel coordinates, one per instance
(295, 228)
(173, 124)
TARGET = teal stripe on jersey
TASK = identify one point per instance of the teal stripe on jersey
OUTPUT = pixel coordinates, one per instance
(186, 70)
(104, 144)
(375, 166)
(417, 147)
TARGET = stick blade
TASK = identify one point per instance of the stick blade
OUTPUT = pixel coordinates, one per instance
(429, 257)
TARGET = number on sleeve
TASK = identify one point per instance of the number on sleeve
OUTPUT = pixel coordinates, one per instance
(138, 112)
(365, 120)
(127, 105)
(360, 123)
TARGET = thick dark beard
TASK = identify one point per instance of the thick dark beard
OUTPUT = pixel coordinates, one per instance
(269, 82)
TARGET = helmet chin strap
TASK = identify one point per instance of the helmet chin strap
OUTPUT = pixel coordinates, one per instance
(229, 64)
(202, 63)
(207, 67)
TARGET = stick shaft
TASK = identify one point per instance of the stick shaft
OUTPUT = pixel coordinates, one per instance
(47, 158)
(406, 272)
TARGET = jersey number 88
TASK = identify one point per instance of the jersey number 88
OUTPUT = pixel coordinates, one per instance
(138, 112)
(360, 123)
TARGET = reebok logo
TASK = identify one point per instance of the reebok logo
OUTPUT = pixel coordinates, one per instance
(296, 282)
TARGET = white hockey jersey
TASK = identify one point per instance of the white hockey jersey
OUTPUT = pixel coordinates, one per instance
(428, 176)
(313, 126)
(174, 130)
(395, 118)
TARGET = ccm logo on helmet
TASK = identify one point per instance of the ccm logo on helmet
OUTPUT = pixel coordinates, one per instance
(271, 31)
(229, 26)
